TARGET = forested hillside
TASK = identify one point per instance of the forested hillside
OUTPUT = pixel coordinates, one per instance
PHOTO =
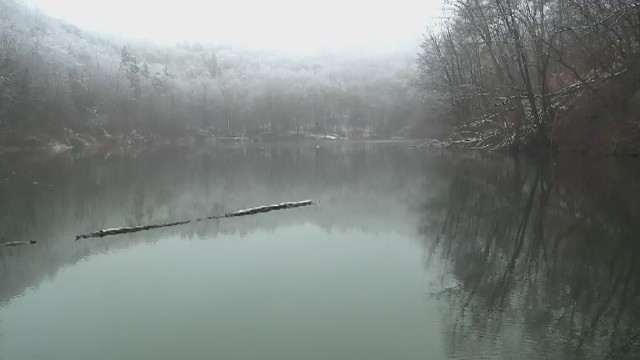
(537, 74)
(58, 82)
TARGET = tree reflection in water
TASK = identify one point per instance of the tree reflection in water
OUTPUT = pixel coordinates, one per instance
(544, 258)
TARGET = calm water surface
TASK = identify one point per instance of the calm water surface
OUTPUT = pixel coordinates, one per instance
(405, 255)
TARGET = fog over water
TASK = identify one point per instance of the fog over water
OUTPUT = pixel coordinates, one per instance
(447, 149)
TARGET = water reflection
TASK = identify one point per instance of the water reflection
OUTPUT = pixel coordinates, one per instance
(340, 280)
(53, 199)
(525, 259)
(543, 257)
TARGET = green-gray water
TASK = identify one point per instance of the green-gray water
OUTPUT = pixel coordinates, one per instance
(405, 255)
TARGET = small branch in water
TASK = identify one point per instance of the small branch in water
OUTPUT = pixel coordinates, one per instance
(245, 212)
(17, 243)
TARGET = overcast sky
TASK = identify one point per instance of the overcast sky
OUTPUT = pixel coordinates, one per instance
(293, 26)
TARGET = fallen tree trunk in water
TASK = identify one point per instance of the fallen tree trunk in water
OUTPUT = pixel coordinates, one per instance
(17, 243)
(245, 212)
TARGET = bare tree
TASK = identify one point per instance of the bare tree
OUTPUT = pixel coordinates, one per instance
(511, 68)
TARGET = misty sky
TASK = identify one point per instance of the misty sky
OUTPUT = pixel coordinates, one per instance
(287, 25)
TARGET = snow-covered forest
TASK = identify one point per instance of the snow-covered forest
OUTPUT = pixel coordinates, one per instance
(57, 79)
(516, 74)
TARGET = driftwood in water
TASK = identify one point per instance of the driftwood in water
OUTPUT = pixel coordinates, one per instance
(17, 243)
(126, 230)
(245, 212)
(263, 209)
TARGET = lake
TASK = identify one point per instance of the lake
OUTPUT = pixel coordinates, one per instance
(405, 254)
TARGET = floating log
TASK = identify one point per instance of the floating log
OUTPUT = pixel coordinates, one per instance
(263, 209)
(126, 230)
(245, 212)
(17, 243)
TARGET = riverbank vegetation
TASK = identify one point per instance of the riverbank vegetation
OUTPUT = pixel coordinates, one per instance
(514, 75)
(536, 75)
(62, 85)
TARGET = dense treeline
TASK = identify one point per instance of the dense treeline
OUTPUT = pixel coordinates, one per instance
(521, 74)
(56, 79)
